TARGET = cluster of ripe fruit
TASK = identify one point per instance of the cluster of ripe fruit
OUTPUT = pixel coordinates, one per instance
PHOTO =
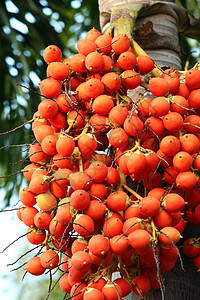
(110, 176)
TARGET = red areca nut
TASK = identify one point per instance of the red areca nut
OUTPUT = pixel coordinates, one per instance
(173, 203)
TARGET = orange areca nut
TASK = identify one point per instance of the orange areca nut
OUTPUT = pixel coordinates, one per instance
(48, 108)
(87, 144)
(120, 43)
(190, 143)
(186, 180)
(118, 201)
(36, 236)
(83, 225)
(118, 114)
(119, 244)
(64, 283)
(140, 285)
(86, 46)
(130, 79)
(159, 107)
(133, 126)
(93, 293)
(140, 241)
(52, 53)
(193, 99)
(39, 184)
(112, 82)
(50, 87)
(42, 220)
(63, 214)
(182, 161)
(46, 201)
(36, 154)
(179, 104)
(103, 43)
(81, 94)
(28, 214)
(94, 87)
(183, 90)
(81, 261)
(118, 137)
(191, 124)
(77, 63)
(144, 106)
(107, 65)
(149, 206)
(58, 70)
(112, 291)
(158, 86)
(125, 286)
(169, 236)
(65, 146)
(173, 203)
(172, 77)
(34, 267)
(113, 226)
(102, 104)
(93, 34)
(98, 245)
(127, 60)
(65, 102)
(49, 259)
(80, 199)
(49, 144)
(170, 145)
(136, 163)
(94, 62)
(96, 210)
(97, 171)
(154, 126)
(192, 79)
(173, 121)
(144, 64)
(27, 197)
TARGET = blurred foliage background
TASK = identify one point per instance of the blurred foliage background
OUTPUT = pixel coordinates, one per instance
(26, 28)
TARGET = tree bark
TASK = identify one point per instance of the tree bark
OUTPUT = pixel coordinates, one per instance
(156, 30)
(161, 43)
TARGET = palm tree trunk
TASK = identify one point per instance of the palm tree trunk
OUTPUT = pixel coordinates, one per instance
(160, 42)
(156, 30)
